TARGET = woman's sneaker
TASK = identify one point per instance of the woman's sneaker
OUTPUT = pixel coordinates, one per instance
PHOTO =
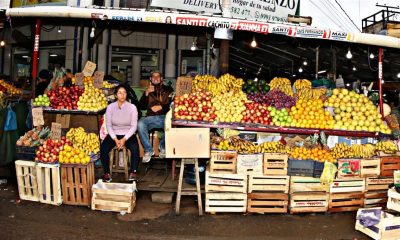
(162, 153)
(107, 177)
(132, 176)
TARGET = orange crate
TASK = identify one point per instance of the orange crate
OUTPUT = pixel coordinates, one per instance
(77, 181)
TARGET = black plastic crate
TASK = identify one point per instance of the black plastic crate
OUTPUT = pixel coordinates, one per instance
(303, 168)
(25, 153)
(318, 168)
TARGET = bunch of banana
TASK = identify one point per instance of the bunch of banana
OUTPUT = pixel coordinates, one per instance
(363, 151)
(223, 84)
(2, 100)
(301, 84)
(107, 85)
(227, 132)
(311, 94)
(342, 150)
(388, 147)
(88, 142)
(282, 84)
(243, 146)
(318, 92)
(272, 147)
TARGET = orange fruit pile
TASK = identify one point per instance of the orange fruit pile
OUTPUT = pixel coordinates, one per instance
(311, 114)
(316, 154)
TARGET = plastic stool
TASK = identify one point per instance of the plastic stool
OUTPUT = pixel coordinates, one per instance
(126, 156)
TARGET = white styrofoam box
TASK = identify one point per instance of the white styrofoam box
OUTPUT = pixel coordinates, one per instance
(249, 163)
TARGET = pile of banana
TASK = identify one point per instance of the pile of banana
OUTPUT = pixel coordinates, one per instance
(272, 147)
(282, 84)
(310, 94)
(363, 151)
(107, 85)
(301, 84)
(223, 84)
(342, 150)
(2, 100)
(388, 147)
(88, 142)
(243, 146)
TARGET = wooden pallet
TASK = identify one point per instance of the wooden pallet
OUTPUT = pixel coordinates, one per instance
(27, 183)
(349, 168)
(275, 164)
(308, 202)
(267, 202)
(375, 198)
(386, 229)
(225, 183)
(116, 197)
(370, 167)
(223, 162)
(226, 202)
(77, 181)
(249, 164)
(377, 183)
(268, 184)
(305, 184)
(49, 183)
(347, 185)
(346, 202)
(389, 165)
(393, 200)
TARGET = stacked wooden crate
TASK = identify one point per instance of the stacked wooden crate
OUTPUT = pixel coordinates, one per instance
(376, 191)
(346, 194)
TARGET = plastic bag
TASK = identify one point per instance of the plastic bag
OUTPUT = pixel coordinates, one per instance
(11, 120)
(369, 217)
(328, 175)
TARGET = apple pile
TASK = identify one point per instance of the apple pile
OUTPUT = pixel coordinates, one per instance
(280, 117)
(50, 150)
(65, 97)
(41, 100)
(194, 106)
(256, 113)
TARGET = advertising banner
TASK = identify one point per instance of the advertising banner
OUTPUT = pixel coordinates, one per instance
(32, 3)
(207, 6)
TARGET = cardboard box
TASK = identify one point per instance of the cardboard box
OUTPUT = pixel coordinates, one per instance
(187, 143)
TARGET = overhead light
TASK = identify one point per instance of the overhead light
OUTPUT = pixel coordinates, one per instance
(383, 81)
(349, 55)
(398, 75)
(322, 71)
(294, 75)
(384, 94)
(125, 60)
(25, 56)
(92, 32)
(305, 63)
(348, 84)
(53, 55)
(300, 70)
(59, 30)
(2, 43)
(193, 47)
(354, 68)
(253, 43)
(372, 56)
(255, 79)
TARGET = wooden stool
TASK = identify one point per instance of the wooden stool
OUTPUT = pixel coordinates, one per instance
(189, 191)
(126, 156)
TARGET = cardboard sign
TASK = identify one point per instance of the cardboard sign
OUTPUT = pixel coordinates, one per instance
(79, 79)
(89, 69)
(63, 120)
(37, 116)
(98, 79)
(55, 131)
(183, 85)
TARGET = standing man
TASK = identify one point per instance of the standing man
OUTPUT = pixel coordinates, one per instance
(156, 100)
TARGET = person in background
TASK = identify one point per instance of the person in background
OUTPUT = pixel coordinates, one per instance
(58, 79)
(121, 122)
(156, 100)
(43, 81)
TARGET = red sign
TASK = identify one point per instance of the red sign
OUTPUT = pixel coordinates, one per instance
(202, 22)
(251, 26)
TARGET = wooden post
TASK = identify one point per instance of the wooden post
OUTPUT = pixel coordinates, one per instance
(224, 57)
(35, 55)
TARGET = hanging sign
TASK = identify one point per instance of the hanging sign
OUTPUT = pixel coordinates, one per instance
(55, 131)
(207, 6)
(37, 116)
(79, 79)
(63, 119)
(98, 79)
(183, 85)
(89, 69)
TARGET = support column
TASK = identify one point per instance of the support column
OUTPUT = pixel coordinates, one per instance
(38, 28)
(7, 60)
(85, 50)
(102, 63)
(380, 79)
(224, 57)
(136, 70)
(43, 59)
(170, 57)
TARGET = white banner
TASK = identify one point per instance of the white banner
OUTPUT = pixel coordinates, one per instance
(207, 6)
(262, 10)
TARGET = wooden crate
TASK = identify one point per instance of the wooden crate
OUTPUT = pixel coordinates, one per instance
(377, 183)
(267, 202)
(370, 167)
(305, 184)
(347, 185)
(389, 165)
(308, 202)
(49, 183)
(226, 202)
(223, 162)
(275, 164)
(224, 183)
(265, 184)
(349, 168)
(27, 183)
(382, 154)
(388, 227)
(77, 181)
(346, 202)
(393, 200)
(375, 198)
(116, 197)
(249, 163)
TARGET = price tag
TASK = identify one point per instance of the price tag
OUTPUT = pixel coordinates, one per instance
(55, 131)
(183, 85)
(89, 69)
(37, 116)
(79, 79)
(98, 78)
(64, 120)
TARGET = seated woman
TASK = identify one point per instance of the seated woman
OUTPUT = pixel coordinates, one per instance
(121, 122)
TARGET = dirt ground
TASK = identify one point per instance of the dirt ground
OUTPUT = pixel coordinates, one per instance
(31, 220)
